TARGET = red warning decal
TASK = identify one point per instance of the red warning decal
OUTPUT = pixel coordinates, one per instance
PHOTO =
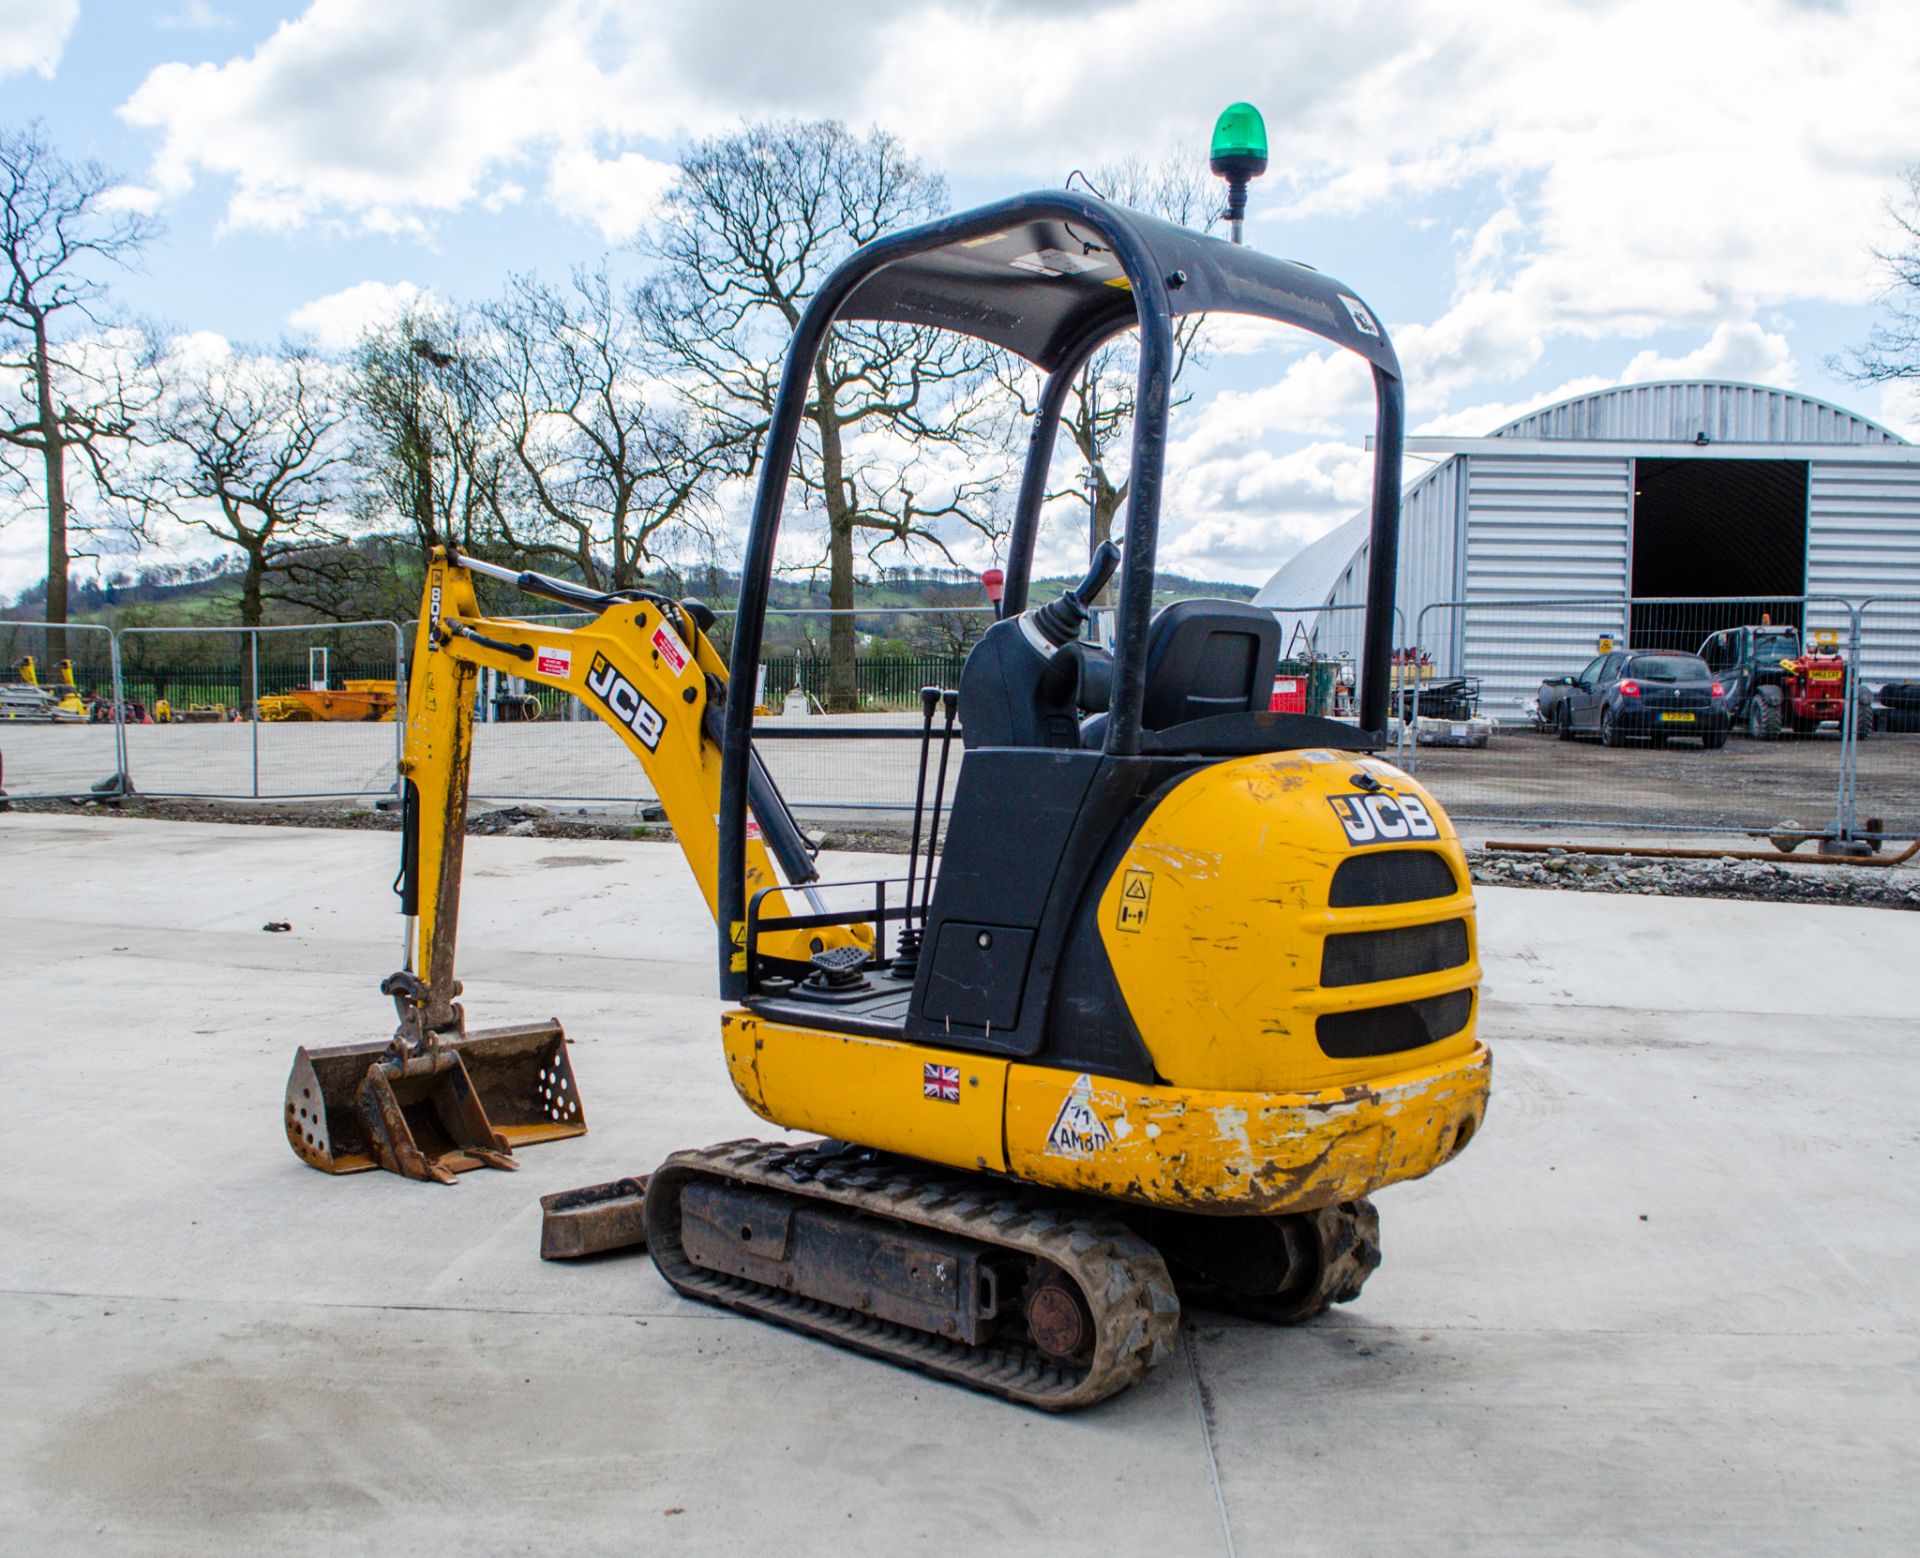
(667, 642)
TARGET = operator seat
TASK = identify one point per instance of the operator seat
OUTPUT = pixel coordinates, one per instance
(1204, 657)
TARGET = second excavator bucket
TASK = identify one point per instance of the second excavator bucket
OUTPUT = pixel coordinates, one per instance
(466, 1102)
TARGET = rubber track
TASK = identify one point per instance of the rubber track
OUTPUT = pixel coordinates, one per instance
(1135, 1309)
(1347, 1237)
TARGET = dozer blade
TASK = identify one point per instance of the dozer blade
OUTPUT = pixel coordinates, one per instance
(354, 1106)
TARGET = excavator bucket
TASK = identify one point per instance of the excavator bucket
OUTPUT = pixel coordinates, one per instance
(468, 1103)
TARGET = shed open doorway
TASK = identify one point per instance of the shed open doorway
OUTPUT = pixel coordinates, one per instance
(1711, 527)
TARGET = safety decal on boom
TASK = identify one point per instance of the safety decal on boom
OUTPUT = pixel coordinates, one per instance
(549, 661)
(1383, 819)
(617, 694)
(1078, 1131)
(667, 644)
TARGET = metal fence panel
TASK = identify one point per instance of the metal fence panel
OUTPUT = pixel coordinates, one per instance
(1886, 788)
(292, 712)
(227, 693)
(47, 751)
(1527, 772)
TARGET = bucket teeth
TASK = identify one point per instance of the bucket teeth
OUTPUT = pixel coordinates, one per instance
(470, 1102)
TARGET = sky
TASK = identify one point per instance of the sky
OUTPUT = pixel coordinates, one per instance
(1579, 193)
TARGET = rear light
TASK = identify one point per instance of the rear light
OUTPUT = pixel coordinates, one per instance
(1629, 689)
(1719, 691)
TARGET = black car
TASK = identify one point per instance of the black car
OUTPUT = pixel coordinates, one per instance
(1641, 693)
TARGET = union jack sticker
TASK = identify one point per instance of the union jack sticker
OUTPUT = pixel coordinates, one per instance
(941, 1083)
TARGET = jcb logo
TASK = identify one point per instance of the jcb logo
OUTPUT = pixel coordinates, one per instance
(1383, 819)
(624, 702)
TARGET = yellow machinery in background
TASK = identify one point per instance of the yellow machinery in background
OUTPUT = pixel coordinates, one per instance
(1192, 981)
(26, 700)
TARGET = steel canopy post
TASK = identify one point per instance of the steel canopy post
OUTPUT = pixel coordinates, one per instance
(749, 623)
(1041, 440)
(1151, 396)
(1033, 492)
(1383, 551)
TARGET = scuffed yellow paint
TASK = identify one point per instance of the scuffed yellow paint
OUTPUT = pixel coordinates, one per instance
(1266, 1153)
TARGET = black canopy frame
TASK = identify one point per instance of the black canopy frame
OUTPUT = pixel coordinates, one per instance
(1052, 276)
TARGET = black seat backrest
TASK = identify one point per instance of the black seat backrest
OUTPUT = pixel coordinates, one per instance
(1208, 657)
(1204, 657)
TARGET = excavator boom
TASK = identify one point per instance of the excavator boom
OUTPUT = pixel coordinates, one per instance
(436, 1099)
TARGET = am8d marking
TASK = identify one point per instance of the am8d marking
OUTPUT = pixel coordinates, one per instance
(1383, 819)
(623, 701)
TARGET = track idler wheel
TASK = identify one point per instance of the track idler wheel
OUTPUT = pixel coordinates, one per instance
(1058, 1319)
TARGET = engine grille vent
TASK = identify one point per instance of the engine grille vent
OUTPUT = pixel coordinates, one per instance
(1387, 1030)
(1366, 957)
(1390, 876)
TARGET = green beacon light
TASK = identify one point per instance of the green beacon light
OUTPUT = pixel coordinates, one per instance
(1239, 155)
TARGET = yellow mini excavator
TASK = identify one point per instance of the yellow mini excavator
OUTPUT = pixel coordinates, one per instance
(1192, 979)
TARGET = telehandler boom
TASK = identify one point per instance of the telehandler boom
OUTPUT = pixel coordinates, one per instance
(1193, 979)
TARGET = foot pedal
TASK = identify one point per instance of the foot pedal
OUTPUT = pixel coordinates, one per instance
(594, 1219)
(839, 974)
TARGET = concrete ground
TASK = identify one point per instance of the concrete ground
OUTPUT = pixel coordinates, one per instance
(1665, 1300)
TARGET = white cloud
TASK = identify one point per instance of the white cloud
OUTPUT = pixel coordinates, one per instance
(1900, 409)
(385, 117)
(1239, 515)
(617, 195)
(1477, 421)
(1315, 395)
(33, 34)
(193, 16)
(339, 319)
(1742, 352)
(131, 197)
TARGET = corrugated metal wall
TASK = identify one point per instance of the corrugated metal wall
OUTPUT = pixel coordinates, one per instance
(1539, 528)
(1429, 559)
(1863, 538)
(1677, 412)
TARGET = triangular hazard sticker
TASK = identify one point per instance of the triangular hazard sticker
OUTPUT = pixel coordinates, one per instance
(1078, 1132)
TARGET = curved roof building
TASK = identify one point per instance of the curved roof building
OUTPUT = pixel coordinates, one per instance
(1598, 515)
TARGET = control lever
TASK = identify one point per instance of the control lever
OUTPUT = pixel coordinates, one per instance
(1060, 621)
(1105, 560)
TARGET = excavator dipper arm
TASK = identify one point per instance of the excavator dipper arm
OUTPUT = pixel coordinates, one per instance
(438, 1099)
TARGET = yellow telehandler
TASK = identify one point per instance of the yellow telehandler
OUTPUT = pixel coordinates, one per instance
(1192, 980)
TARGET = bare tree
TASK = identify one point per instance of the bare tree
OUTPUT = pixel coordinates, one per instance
(1892, 350)
(750, 229)
(76, 389)
(1098, 414)
(249, 448)
(426, 438)
(601, 466)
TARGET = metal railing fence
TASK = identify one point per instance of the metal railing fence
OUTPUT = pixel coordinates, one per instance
(1488, 749)
(49, 749)
(1525, 765)
(217, 749)
(1883, 786)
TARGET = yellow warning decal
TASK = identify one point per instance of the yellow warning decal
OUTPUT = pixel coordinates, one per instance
(1136, 895)
(737, 961)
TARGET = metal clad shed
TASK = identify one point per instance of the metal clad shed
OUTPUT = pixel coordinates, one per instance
(1547, 506)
